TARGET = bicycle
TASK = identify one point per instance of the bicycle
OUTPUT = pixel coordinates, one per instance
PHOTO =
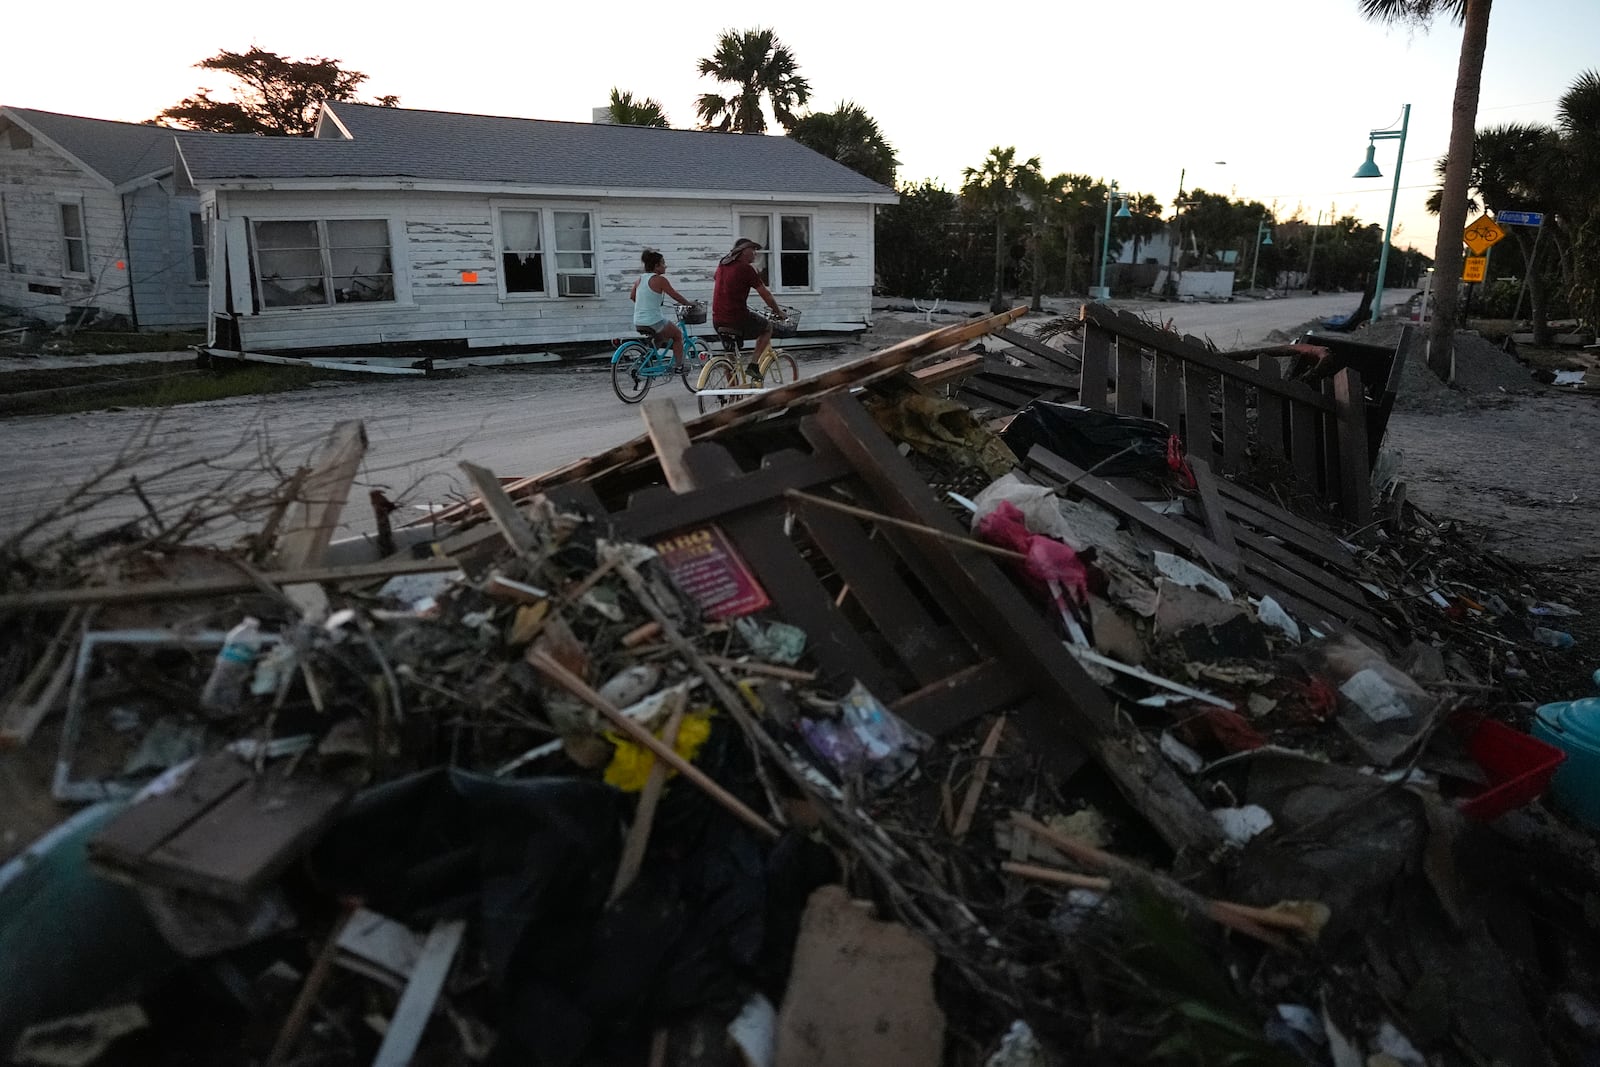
(639, 362)
(728, 372)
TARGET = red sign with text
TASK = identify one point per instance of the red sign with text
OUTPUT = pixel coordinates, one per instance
(704, 564)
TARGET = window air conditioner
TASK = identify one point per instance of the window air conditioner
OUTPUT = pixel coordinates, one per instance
(576, 284)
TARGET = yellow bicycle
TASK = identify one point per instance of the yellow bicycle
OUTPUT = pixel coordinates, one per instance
(725, 375)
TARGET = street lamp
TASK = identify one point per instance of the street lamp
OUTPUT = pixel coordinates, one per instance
(1100, 292)
(1369, 169)
(1263, 237)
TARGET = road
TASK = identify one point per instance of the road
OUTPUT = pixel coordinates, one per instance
(514, 421)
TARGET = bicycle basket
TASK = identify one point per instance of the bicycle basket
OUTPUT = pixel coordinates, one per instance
(787, 326)
(695, 313)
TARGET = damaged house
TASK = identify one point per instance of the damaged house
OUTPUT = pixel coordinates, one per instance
(453, 232)
(92, 227)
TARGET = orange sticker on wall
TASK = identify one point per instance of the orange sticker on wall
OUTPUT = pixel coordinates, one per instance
(121, 265)
(469, 277)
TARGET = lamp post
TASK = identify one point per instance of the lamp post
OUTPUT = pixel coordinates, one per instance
(1369, 169)
(1101, 292)
(1263, 237)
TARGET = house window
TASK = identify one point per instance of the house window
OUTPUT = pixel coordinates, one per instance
(319, 262)
(197, 245)
(74, 243)
(787, 262)
(569, 268)
(521, 255)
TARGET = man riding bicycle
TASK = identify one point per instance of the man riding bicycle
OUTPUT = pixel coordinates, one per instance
(731, 285)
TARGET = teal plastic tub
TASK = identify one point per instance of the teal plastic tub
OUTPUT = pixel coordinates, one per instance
(1574, 727)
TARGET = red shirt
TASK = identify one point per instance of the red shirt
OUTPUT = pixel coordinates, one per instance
(730, 292)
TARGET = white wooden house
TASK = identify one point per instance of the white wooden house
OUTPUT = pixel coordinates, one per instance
(90, 219)
(402, 228)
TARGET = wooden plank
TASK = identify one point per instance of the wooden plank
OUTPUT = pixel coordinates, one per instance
(513, 525)
(1309, 531)
(1378, 413)
(1211, 509)
(1096, 365)
(994, 367)
(1168, 390)
(1321, 546)
(789, 580)
(670, 439)
(143, 827)
(1033, 346)
(1350, 430)
(1328, 454)
(1336, 613)
(951, 370)
(1235, 431)
(1023, 640)
(1336, 592)
(315, 515)
(243, 841)
(1196, 430)
(947, 703)
(1130, 379)
(927, 648)
(416, 1005)
(1303, 445)
(1108, 496)
(990, 391)
(1269, 411)
(652, 512)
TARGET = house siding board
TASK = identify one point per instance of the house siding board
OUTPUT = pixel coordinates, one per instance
(160, 259)
(34, 179)
(444, 235)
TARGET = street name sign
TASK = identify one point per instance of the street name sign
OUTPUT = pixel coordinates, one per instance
(1519, 218)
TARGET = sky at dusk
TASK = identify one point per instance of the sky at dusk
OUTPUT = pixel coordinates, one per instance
(1285, 94)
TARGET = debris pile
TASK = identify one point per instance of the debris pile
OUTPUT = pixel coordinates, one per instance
(822, 730)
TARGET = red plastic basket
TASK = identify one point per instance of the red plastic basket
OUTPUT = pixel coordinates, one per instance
(1519, 767)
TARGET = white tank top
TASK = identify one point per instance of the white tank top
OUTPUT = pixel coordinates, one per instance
(647, 304)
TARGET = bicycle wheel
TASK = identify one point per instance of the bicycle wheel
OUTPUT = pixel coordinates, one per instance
(781, 369)
(720, 373)
(630, 385)
(695, 358)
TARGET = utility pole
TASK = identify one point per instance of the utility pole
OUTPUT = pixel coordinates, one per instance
(1171, 288)
(1311, 259)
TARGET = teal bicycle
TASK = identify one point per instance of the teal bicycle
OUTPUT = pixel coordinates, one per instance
(639, 362)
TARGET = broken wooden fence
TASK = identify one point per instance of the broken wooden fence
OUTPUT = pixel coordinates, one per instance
(932, 627)
(1233, 413)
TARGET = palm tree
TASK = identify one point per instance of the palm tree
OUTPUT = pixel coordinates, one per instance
(1032, 183)
(1474, 17)
(1075, 201)
(626, 111)
(761, 66)
(994, 185)
(850, 136)
(1578, 182)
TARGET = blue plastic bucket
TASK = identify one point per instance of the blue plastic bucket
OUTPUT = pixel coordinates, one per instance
(1574, 727)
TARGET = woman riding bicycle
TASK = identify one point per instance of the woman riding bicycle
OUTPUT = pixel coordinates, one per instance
(731, 286)
(647, 311)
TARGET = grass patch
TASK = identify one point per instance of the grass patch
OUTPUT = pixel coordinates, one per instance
(113, 342)
(165, 387)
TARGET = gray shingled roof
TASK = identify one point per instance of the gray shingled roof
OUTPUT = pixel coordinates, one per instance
(445, 146)
(118, 151)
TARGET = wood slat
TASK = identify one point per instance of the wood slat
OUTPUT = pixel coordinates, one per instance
(1067, 361)
(665, 429)
(1130, 374)
(1322, 547)
(988, 390)
(927, 648)
(513, 525)
(1336, 592)
(1197, 412)
(948, 702)
(1235, 430)
(1269, 411)
(1072, 703)
(1096, 365)
(1328, 454)
(143, 827)
(1350, 431)
(1167, 389)
(1212, 511)
(994, 367)
(1303, 445)
(658, 510)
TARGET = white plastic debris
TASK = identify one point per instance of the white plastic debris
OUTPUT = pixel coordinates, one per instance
(1186, 758)
(1019, 1048)
(1183, 572)
(1271, 612)
(1376, 698)
(1239, 825)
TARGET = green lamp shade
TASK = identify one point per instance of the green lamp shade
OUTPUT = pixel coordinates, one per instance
(1369, 169)
(1267, 240)
(1123, 212)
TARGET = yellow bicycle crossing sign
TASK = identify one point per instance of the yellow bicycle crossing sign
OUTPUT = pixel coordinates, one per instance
(1480, 233)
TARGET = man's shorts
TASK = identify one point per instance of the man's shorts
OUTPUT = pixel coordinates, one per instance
(748, 327)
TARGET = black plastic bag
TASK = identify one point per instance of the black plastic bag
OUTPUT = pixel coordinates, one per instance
(1085, 437)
